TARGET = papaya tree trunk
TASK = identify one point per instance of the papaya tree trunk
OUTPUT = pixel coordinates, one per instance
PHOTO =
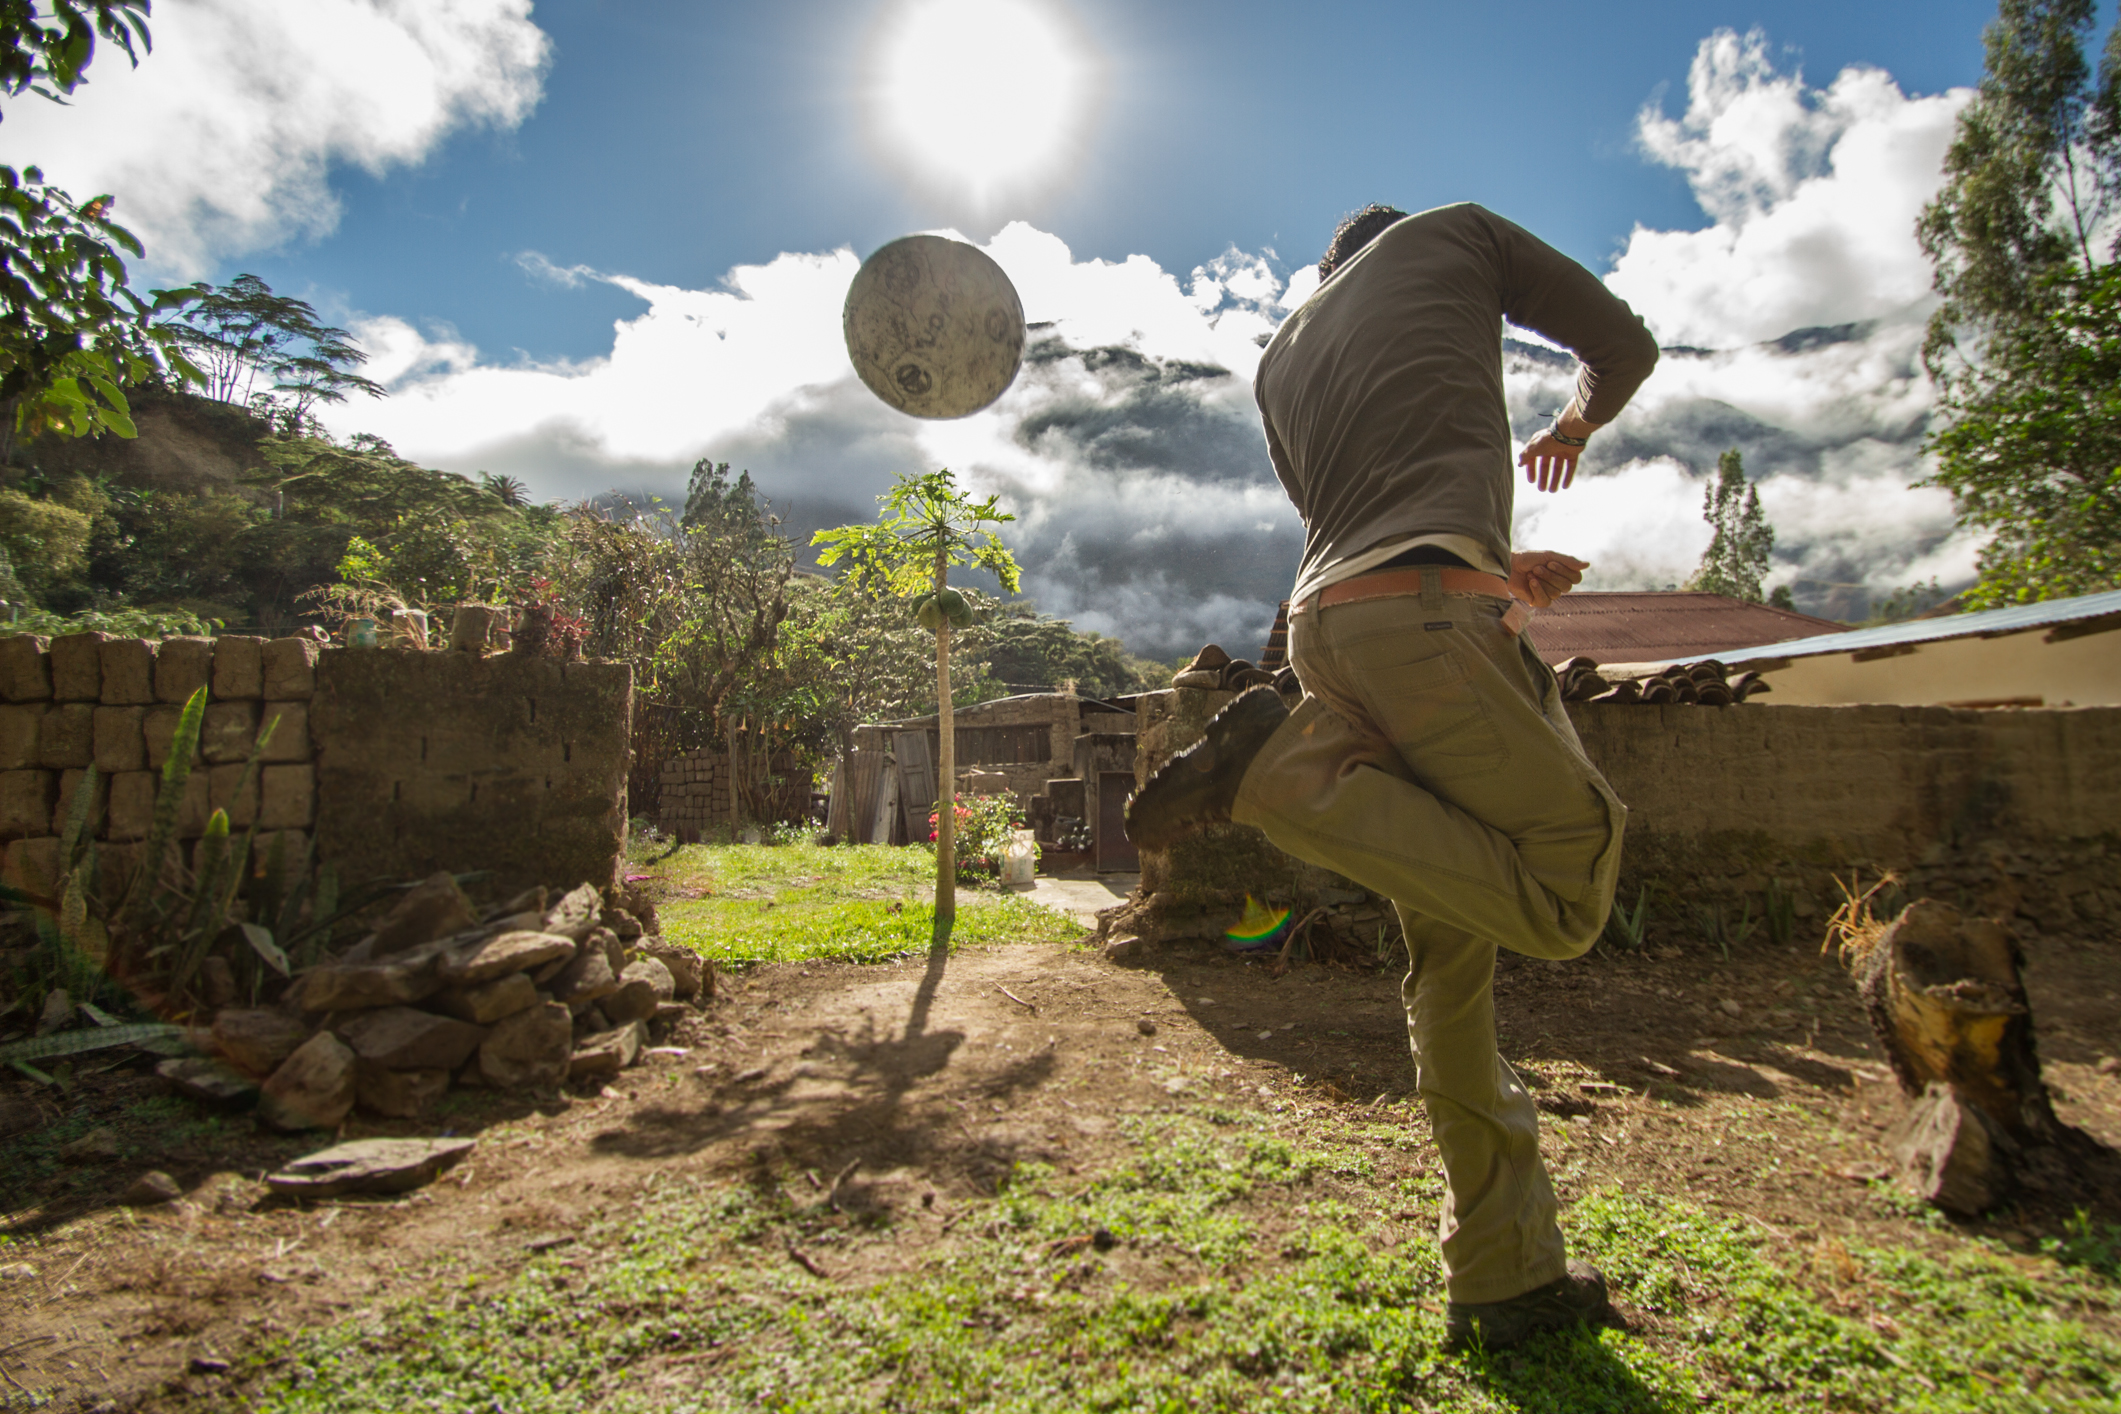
(945, 767)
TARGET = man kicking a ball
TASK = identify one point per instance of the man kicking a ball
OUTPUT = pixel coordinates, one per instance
(1431, 760)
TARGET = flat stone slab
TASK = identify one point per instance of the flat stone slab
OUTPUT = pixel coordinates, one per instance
(205, 1079)
(369, 1166)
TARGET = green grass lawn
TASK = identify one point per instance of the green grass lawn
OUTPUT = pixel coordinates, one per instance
(852, 903)
(1255, 1268)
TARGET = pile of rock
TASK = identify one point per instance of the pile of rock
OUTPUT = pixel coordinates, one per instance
(531, 996)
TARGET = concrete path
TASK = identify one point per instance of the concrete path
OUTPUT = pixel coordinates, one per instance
(1080, 893)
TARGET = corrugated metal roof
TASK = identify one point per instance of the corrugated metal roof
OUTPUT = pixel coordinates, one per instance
(1674, 626)
(1988, 623)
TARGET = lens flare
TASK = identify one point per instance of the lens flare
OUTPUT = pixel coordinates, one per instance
(981, 100)
(1259, 929)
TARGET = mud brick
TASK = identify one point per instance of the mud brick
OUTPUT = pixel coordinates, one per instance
(128, 672)
(77, 666)
(239, 668)
(290, 798)
(290, 667)
(132, 804)
(66, 737)
(25, 668)
(32, 865)
(182, 667)
(221, 782)
(115, 865)
(19, 730)
(158, 730)
(228, 732)
(26, 803)
(99, 801)
(290, 740)
(292, 844)
(121, 739)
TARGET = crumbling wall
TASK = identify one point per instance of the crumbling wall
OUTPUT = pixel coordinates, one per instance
(93, 698)
(2015, 814)
(401, 762)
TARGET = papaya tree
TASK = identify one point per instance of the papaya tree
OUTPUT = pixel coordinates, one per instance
(928, 526)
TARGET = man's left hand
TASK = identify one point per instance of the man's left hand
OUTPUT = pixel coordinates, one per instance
(1548, 464)
(1539, 577)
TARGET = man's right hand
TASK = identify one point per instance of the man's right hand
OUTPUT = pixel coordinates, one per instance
(1551, 465)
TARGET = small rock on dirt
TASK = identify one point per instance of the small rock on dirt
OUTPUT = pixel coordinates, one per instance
(58, 1012)
(656, 973)
(531, 1048)
(1121, 949)
(1145, 1026)
(313, 1088)
(1729, 1007)
(369, 1166)
(203, 1078)
(208, 1365)
(149, 1189)
(98, 1146)
(257, 1040)
(687, 968)
(601, 1057)
(16, 1271)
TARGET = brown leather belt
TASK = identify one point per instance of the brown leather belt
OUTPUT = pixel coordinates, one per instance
(1409, 581)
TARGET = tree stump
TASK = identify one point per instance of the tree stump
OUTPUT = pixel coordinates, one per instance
(1949, 1009)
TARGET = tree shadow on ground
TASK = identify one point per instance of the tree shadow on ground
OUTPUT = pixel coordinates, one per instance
(850, 1100)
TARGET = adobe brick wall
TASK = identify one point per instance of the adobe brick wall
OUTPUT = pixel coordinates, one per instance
(400, 762)
(2012, 812)
(429, 761)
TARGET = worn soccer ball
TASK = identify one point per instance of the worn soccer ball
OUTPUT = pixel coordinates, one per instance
(934, 327)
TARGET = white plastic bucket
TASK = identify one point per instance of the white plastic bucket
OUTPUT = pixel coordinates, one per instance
(1019, 860)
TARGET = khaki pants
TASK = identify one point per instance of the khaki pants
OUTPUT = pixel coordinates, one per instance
(1432, 762)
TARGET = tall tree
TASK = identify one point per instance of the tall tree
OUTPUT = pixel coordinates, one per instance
(241, 333)
(928, 527)
(1741, 548)
(2024, 345)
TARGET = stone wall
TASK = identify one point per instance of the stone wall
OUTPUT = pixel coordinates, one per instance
(401, 762)
(2008, 812)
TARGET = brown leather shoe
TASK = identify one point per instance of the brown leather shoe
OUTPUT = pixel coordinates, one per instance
(1578, 1298)
(1197, 787)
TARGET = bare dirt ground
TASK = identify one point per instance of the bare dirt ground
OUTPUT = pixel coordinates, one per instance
(1746, 1086)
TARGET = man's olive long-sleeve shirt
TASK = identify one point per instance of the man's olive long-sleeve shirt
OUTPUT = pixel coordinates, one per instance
(1382, 395)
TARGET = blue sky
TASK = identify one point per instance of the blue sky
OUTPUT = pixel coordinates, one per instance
(677, 139)
(590, 241)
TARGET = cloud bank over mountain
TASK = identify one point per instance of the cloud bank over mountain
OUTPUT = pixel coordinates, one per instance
(1129, 448)
(221, 142)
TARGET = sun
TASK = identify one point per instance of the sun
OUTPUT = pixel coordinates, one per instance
(985, 100)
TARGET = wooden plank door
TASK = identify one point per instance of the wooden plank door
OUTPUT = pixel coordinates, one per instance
(916, 781)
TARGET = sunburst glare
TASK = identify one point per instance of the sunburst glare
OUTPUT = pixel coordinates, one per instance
(980, 100)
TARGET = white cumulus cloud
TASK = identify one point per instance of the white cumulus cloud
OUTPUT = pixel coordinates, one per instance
(1812, 194)
(222, 141)
(1129, 447)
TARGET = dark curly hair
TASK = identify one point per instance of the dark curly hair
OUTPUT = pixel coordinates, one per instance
(1356, 230)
